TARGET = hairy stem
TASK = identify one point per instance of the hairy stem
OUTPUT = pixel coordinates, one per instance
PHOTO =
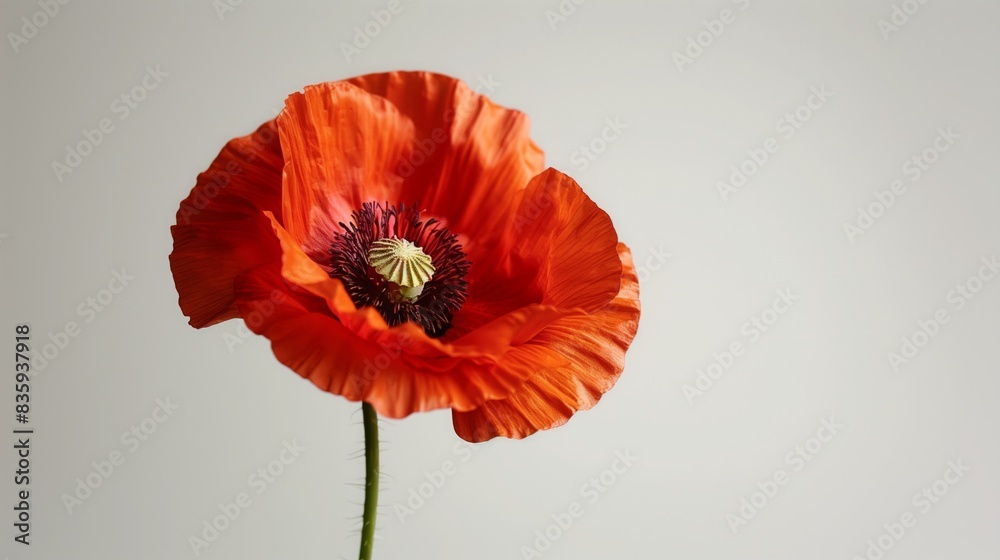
(371, 481)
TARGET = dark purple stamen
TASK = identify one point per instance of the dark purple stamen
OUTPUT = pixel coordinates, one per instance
(441, 297)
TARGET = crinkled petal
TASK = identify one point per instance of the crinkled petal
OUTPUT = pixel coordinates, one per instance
(399, 372)
(562, 252)
(593, 347)
(340, 144)
(221, 231)
(470, 158)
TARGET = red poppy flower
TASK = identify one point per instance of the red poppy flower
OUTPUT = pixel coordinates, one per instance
(398, 240)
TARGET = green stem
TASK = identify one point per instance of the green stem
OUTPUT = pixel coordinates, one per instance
(371, 481)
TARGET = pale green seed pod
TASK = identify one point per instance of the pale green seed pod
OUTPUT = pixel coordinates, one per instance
(402, 263)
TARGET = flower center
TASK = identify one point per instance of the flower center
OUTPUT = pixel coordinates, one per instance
(406, 268)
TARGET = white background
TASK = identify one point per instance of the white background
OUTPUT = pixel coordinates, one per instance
(687, 123)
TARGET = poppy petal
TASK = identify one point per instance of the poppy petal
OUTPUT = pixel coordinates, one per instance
(340, 143)
(470, 158)
(563, 251)
(594, 346)
(392, 372)
(220, 231)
